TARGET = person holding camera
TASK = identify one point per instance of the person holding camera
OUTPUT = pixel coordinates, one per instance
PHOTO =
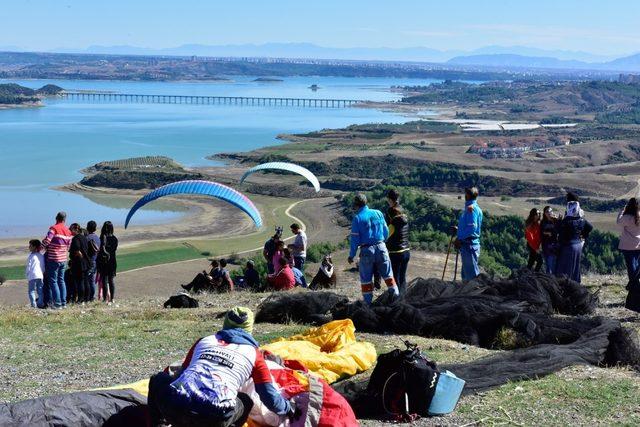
(270, 248)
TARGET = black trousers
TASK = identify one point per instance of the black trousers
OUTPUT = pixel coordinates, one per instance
(535, 258)
(165, 408)
(399, 264)
(108, 280)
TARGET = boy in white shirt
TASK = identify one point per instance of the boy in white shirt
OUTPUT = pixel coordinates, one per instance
(35, 274)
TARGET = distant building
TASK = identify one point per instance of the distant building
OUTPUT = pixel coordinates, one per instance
(629, 78)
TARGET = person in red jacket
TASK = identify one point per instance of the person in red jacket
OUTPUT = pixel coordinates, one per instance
(284, 279)
(532, 234)
(206, 391)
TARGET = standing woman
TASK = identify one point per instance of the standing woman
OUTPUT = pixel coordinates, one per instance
(549, 237)
(532, 235)
(398, 246)
(106, 262)
(629, 224)
(573, 230)
(80, 264)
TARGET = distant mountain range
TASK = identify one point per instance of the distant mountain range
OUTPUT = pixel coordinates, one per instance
(490, 56)
(628, 63)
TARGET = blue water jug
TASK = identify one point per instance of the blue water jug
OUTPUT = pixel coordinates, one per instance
(447, 394)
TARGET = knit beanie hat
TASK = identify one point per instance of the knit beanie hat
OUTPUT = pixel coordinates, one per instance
(239, 317)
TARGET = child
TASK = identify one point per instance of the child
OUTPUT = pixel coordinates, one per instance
(35, 274)
(532, 234)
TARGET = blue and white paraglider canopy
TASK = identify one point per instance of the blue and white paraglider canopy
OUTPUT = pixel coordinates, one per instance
(203, 188)
(290, 167)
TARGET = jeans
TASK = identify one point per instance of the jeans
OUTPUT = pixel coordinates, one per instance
(374, 258)
(550, 263)
(36, 297)
(469, 254)
(91, 277)
(632, 259)
(57, 288)
(298, 262)
(399, 264)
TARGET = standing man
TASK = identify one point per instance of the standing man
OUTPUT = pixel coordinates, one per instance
(468, 237)
(298, 247)
(369, 232)
(56, 244)
(270, 248)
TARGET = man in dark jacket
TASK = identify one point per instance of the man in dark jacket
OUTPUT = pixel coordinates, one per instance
(206, 391)
(398, 240)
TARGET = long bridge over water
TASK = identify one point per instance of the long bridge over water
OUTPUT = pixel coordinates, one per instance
(209, 100)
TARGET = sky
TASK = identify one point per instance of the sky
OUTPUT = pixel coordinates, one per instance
(602, 27)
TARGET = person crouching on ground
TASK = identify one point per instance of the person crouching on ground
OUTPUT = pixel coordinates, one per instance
(532, 235)
(549, 239)
(368, 233)
(468, 234)
(34, 273)
(226, 283)
(284, 279)
(629, 225)
(252, 277)
(206, 392)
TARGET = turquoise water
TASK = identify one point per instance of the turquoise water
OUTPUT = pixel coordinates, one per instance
(44, 147)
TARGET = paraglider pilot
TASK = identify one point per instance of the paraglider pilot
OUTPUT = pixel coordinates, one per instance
(206, 392)
(368, 233)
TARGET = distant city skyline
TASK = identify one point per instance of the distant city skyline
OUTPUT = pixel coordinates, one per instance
(602, 28)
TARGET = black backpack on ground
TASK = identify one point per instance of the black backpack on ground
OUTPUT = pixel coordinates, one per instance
(404, 382)
(181, 301)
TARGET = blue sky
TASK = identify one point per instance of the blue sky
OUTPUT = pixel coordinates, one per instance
(605, 27)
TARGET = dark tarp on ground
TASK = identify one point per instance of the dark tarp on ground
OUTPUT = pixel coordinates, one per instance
(479, 313)
(110, 408)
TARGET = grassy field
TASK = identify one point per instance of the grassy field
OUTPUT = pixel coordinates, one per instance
(97, 346)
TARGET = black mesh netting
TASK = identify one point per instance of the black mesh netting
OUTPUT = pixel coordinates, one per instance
(543, 318)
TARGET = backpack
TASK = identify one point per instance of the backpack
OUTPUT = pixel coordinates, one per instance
(404, 382)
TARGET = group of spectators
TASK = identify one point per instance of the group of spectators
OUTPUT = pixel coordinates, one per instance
(557, 241)
(285, 268)
(74, 262)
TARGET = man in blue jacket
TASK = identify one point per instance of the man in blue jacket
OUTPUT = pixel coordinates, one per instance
(468, 241)
(368, 232)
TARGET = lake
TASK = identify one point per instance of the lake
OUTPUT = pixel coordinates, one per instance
(45, 147)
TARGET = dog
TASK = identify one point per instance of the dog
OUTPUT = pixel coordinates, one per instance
(325, 278)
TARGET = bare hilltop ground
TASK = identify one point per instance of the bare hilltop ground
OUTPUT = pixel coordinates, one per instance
(99, 345)
(594, 150)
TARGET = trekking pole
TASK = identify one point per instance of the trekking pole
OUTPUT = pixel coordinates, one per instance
(455, 271)
(446, 260)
